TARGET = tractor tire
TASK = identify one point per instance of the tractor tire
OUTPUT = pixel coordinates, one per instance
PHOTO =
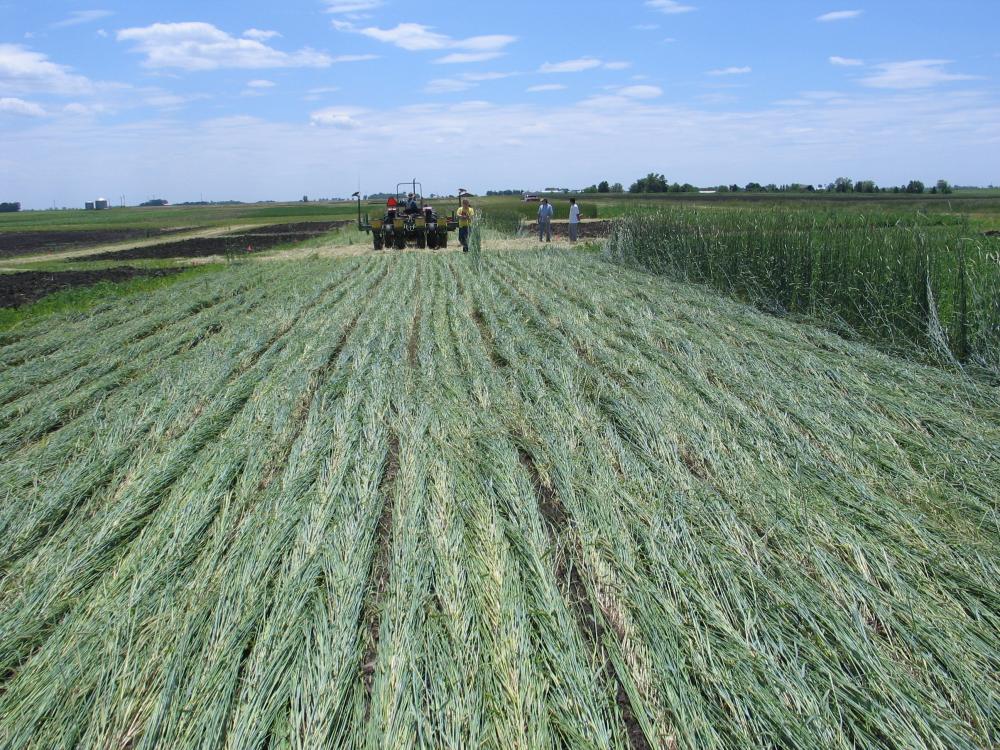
(400, 241)
(432, 240)
(421, 240)
(377, 241)
(443, 239)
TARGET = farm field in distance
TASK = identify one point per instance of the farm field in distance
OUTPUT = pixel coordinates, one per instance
(316, 496)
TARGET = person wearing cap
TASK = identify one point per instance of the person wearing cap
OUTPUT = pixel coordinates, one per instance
(545, 212)
(411, 205)
(465, 216)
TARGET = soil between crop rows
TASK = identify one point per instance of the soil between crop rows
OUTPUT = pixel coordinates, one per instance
(25, 287)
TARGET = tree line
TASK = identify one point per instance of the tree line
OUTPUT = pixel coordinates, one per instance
(657, 183)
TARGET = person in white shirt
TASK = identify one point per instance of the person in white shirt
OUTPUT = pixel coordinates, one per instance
(545, 211)
(574, 220)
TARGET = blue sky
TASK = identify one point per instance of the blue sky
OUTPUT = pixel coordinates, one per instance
(257, 100)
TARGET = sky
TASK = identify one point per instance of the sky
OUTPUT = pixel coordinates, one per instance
(272, 101)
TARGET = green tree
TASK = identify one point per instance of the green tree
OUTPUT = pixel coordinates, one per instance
(943, 186)
(617, 188)
(651, 183)
(915, 186)
(603, 187)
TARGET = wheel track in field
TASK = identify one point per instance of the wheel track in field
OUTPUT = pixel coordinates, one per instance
(547, 335)
(378, 574)
(80, 495)
(177, 468)
(592, 624)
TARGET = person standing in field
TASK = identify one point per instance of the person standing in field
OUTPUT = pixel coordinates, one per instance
(574, 220)
(545, 212)
(465, 216)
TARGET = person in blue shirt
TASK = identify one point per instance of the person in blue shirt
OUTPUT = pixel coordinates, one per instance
(545, 212)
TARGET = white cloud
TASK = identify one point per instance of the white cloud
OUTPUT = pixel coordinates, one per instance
(82, 16)
(467, 57)
(490, 76)
(545, 87)
(914, 74)
(732, 71)
(669, 7)
(447, 86)
(261, 84)
(839, 15)
(845, 61)
(352, 6)
(314, 95)
(260, 35)
(24, 71)
(571, 66)
(352, 58)
(340, 118)
(618, 65)
(201, 46)
(641, 92)
(14, 106)
(416, 37)
(646, 26)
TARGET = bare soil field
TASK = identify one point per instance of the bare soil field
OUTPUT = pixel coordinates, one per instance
(15, 244)
(25, 287)
(588, 229)
(245, 242)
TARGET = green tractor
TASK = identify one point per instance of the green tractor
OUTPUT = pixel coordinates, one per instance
(407, 221)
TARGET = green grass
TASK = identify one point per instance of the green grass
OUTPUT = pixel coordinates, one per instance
(85, 298)
(923, 283)
(498, 500)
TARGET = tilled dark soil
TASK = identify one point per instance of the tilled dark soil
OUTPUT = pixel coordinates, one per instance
(254, 241)
(312, 227)
(13, 244)
(25, 287)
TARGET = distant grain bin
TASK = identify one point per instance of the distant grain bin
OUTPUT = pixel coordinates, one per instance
(89, 205)
(101, 204)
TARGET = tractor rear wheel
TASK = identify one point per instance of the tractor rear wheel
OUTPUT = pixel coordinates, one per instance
(400, 241)
(377, 241)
